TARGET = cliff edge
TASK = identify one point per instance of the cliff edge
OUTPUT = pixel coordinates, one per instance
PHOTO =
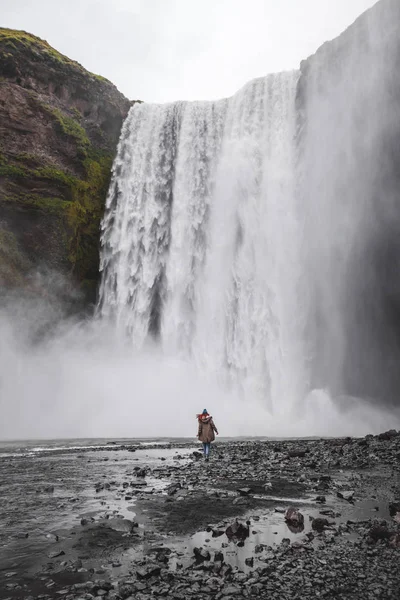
(59, 128)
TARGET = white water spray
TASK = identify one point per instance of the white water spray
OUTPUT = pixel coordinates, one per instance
(249, 266)
(203, 236)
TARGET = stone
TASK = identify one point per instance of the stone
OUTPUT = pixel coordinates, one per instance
(346, 495)
(388, 435)
(201, 554)
(140, 472)
(319, 524)
(394, 507)
(245, 491)
(173, 488)
(231, 590)
(217, 532)
(238, 530)
(148, 571)
(56, 553)
(297, 453)
(294, 516)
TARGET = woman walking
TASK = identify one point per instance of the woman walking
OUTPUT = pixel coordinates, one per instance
(206, 431)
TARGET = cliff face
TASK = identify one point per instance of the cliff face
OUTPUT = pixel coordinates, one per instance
(59, 127)
(349, 130)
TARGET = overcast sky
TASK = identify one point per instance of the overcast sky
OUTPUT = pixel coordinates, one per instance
(164, 50)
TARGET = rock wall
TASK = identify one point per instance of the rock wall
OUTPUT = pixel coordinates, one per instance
(349, 129)
(59, 127)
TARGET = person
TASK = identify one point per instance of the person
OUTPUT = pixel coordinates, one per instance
(206, 431)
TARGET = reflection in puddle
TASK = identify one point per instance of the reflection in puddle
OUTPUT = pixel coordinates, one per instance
(48, 492)
(245, 548)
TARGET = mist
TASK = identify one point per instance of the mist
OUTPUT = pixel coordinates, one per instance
(249, 265)
(63, 377)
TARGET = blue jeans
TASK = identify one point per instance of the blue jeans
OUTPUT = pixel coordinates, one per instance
(206, 449)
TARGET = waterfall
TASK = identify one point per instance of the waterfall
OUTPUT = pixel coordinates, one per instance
(202, 237)
(256, 237)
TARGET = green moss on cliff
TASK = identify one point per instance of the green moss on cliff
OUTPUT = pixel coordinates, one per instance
(79, 208)
(12, 171)
(54, 178)
(84, 215)
(70, 127)
(50, 173)
(12, 261)
(13, 40)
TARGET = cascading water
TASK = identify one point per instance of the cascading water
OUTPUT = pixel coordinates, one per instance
(251, 237)
(202, 237)
(250, 265)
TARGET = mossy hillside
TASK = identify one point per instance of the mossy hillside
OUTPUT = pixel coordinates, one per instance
(14, 41)
(69, 126)
(13, 262)
(80, 201)
(54, 178)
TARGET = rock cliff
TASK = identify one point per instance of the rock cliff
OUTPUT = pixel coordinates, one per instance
(59, 127)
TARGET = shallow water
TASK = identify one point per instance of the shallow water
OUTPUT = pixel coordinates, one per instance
(48, 487)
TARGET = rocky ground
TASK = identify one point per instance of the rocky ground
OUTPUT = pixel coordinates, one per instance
(262, 519)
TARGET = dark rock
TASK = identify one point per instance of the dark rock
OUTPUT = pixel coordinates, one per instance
(319, 524)
(294, 517)
(172, 489)
(346, 495)
(388, 435)
(201, 555)
(379, 531)
(148, 571)
(238, 530)
(56, 553)
(139, 472)
(394, 507)
(245, 491)
(297, 453)
(217, 532)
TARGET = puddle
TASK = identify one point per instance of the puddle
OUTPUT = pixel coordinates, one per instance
(263, 534)
(50, 493)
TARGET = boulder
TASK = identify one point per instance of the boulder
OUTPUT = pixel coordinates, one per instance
(238, 530)
(319, 524)
(347, 495)
(294, 517)
(201, 555)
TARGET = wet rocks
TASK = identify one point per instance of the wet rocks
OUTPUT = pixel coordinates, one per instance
(245, 491)
(394, 508)
(173, 488)
(346, 495)
(294, 517)
(297, 453)
(148, 571)
(388, 435)
(201, 555)
(140, 472)
(238, 530)
(56, 554)
(319, 524)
